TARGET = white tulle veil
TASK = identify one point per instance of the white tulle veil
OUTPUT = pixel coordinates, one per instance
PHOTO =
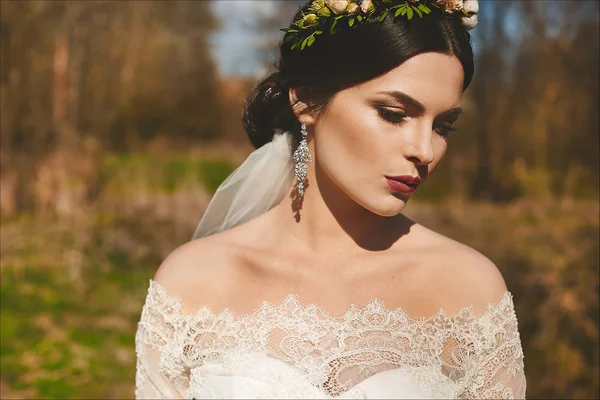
(256, 186)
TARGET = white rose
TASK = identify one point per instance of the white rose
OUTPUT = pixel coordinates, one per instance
(337, 6)
(469, 22)
(353, 8)
(309, 19)
(470, 7)
(365, 5)
(317, 4)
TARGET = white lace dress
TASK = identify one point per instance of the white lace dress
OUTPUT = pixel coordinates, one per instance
(291, 351)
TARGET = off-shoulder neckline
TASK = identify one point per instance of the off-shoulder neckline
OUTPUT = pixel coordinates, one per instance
(375, 306)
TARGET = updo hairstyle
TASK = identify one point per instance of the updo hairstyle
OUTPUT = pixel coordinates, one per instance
(349, 57)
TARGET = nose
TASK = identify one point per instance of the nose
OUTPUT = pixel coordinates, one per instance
(419, 146)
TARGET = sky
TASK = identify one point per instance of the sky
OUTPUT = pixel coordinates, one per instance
(234, 45)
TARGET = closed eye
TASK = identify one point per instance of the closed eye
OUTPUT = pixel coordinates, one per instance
(398, 118)
(393, 117)
(444, 130)
(443, 124)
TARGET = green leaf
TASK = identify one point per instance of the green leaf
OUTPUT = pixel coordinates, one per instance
(359, 18)
(403, 11)
(311, 40)
(384, 15)
(295, 45)
(304, 43)
(324, 11)
(318, 32)
(418, 11)
(409, 13)
(332, 29)
(351, 21)
(424, 8)
(399, 11)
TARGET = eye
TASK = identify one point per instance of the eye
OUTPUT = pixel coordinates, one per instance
(393, 117)
(444, 130)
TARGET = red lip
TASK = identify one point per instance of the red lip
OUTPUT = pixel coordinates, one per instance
(403, 183)
(409, 180)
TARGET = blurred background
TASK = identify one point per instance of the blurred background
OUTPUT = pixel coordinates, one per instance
(120, 118)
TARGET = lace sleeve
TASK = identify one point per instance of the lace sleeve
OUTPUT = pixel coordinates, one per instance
(158, 374)
(498, 359)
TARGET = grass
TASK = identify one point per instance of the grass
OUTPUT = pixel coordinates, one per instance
(66, 339)
(163, 174)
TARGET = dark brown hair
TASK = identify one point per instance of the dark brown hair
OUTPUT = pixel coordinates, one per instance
(344, 59)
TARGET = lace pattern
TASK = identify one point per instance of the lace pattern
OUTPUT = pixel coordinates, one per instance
(451, 356)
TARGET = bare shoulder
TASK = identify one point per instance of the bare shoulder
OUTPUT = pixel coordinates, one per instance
(460, 275)
(198, 272)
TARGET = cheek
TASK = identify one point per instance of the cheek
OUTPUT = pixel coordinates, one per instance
(440, 146)
(347, 138)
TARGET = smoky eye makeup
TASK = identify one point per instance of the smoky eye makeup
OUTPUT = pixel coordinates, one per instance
(393, 115)
(444, 130)
(449, 117)
(394, 112)
(444, 126)
(389, 111)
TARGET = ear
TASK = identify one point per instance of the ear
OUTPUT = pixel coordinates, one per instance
(300, 108)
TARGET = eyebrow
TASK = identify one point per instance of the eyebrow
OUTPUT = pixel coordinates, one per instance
(404, 98)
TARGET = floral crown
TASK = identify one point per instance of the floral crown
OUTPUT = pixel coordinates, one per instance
(324, 16)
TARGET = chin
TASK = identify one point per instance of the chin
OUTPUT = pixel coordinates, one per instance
(389, 207)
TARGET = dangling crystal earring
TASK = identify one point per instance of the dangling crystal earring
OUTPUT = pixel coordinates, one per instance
(302, 157)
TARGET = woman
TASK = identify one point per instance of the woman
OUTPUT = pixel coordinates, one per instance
(306, 280)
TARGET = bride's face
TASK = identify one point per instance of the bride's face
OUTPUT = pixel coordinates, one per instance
(394, 126)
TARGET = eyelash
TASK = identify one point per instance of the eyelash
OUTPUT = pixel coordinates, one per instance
(446, 130)
(394, 118)
(398, 119)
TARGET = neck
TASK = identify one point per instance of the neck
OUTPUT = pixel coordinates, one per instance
(327, 221)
